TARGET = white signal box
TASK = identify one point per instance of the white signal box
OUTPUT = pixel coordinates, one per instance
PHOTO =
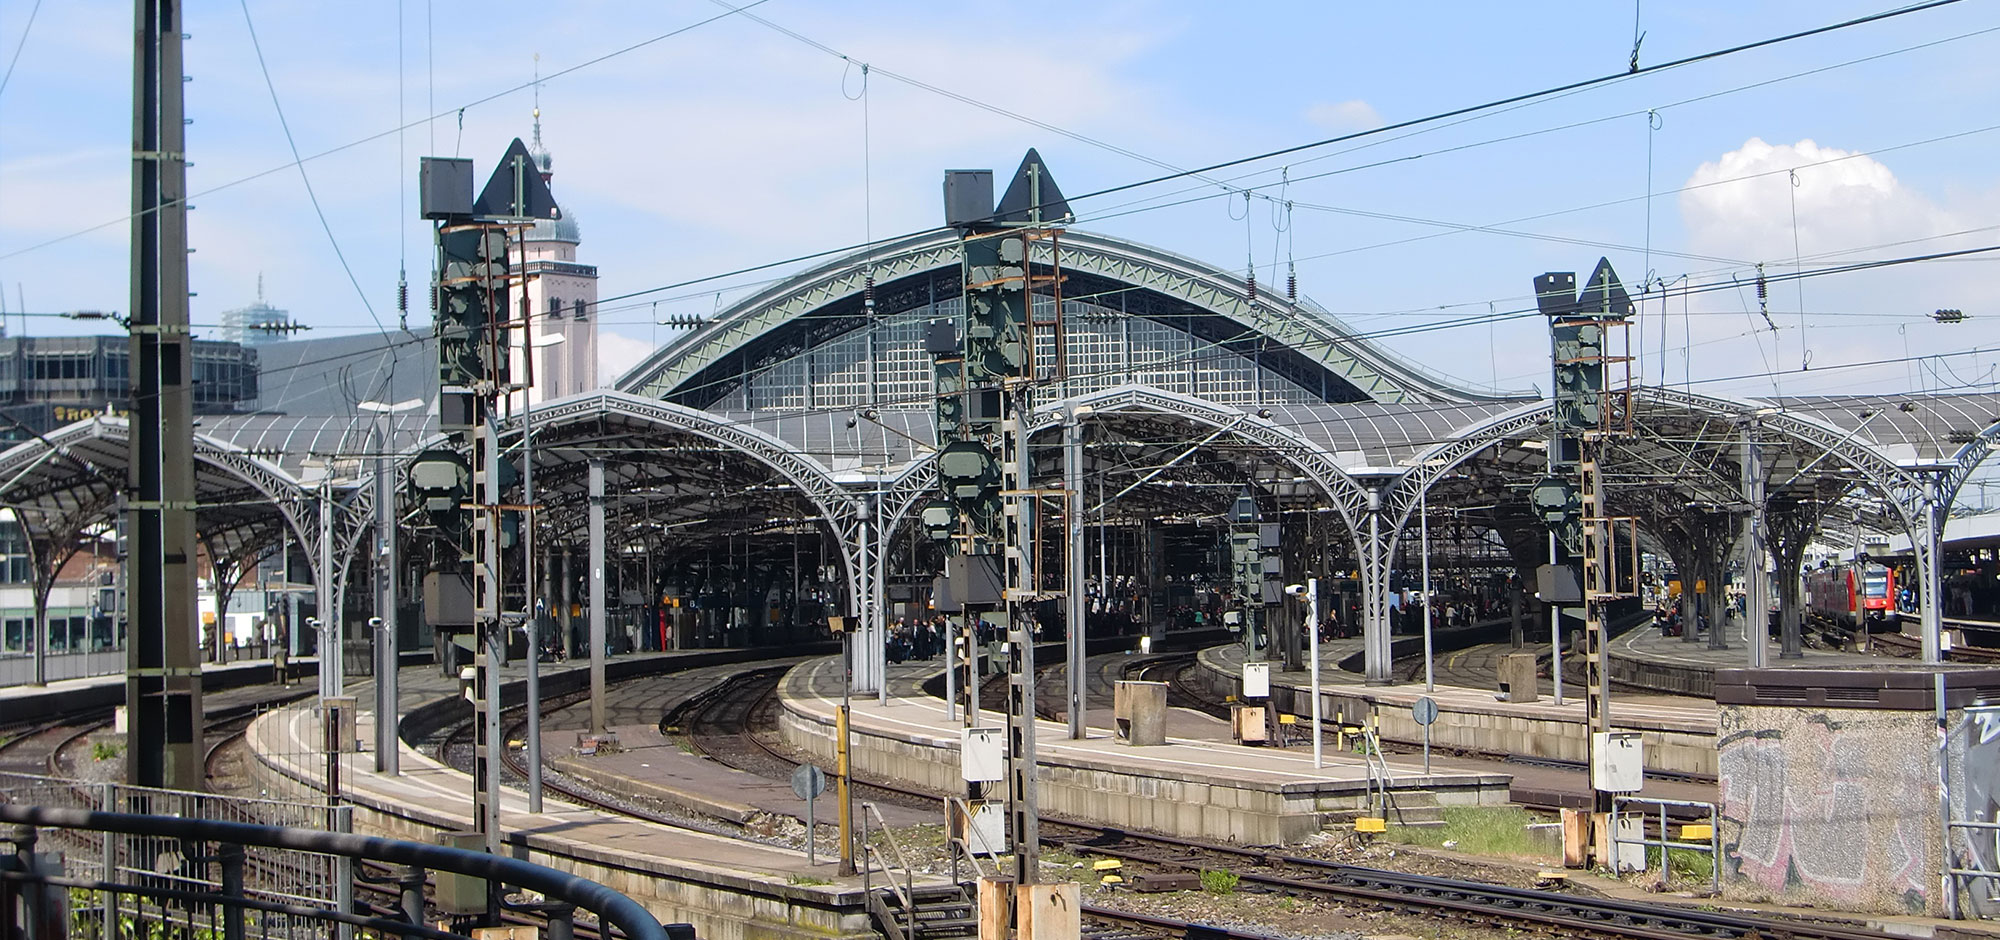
(982, 755)
(1256, 680)
(1618, 763)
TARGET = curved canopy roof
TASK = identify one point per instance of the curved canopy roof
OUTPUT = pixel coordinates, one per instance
(1300, 340)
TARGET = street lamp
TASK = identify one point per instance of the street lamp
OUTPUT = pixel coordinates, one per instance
(388, 657)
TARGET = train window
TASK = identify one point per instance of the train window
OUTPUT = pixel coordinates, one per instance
(1875, 583)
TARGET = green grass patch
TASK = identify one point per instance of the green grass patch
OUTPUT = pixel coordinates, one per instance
(799, 879)
(1215, 881)
(1500, 831)
(1686, 867)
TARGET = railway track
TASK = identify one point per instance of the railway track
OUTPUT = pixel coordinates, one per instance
(1912, 647)
(724, 724)
(1265, 870)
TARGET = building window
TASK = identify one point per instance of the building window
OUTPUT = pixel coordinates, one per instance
(14, 558)
(555, 309)
(580, 314)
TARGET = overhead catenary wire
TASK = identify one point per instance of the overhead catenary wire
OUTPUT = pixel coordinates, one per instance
(379, 135)
(19, 45)
(305, 178)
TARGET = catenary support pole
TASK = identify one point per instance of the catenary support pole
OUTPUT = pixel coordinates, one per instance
(162, 669)
(1073, 599)
(531, 597)
(388, 700)
(1424, 528)
(597, 601)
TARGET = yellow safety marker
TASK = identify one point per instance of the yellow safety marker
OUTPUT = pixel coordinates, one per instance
(1697, 832)
(1109, 864)
(1288, 719)
(1111, 880)
(1371, 824)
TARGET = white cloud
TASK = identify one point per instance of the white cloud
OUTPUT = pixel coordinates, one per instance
(1841, 207)
(1745, 203)
(1353, 114)
(617, 354)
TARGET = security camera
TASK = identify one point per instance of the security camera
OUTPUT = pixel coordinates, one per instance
(374, 623)
(468, 678)
(1295, 590)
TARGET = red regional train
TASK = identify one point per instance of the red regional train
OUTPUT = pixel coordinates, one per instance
(1834, 595)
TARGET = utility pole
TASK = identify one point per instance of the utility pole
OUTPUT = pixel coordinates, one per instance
(1588, 418)
(1073, 599)
(986, 375)
(162, 664)
(596, 599)
(473, 324)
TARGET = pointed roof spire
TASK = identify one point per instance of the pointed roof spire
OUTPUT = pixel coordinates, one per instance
(1033, 196)
(537, 146)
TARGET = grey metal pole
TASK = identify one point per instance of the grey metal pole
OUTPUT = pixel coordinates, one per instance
(1555, 632)
(531, 600)
(388, 698)
(1756, 605)
(568, 617)
(1312, 630)
(1073, 570)
(1430, 671)
(492, 629)
(332, 666)
(163, 674)
(1929, 610)
(596, 596)
(953, 630)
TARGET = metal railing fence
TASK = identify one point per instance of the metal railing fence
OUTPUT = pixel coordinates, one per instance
(179, 877)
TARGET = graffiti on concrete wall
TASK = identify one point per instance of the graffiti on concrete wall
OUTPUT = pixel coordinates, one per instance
(1978, 787)
(1828, 807)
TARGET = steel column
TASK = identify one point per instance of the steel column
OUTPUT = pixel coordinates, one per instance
(1756, 601)
(531, 597)
(596, 596)
(1073, 599)
(163, 671)
(388, 701)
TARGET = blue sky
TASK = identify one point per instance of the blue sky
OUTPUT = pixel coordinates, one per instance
(733, 145)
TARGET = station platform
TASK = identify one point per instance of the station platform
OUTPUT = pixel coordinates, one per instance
(1641, 658)
(730, 889)
(99, 692)
(1678, 732)
(1198, 785)
(649, 764)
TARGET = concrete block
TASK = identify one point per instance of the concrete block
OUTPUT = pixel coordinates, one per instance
(1145, 720)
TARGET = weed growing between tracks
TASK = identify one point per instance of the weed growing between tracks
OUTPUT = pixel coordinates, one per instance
(1498, 831)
